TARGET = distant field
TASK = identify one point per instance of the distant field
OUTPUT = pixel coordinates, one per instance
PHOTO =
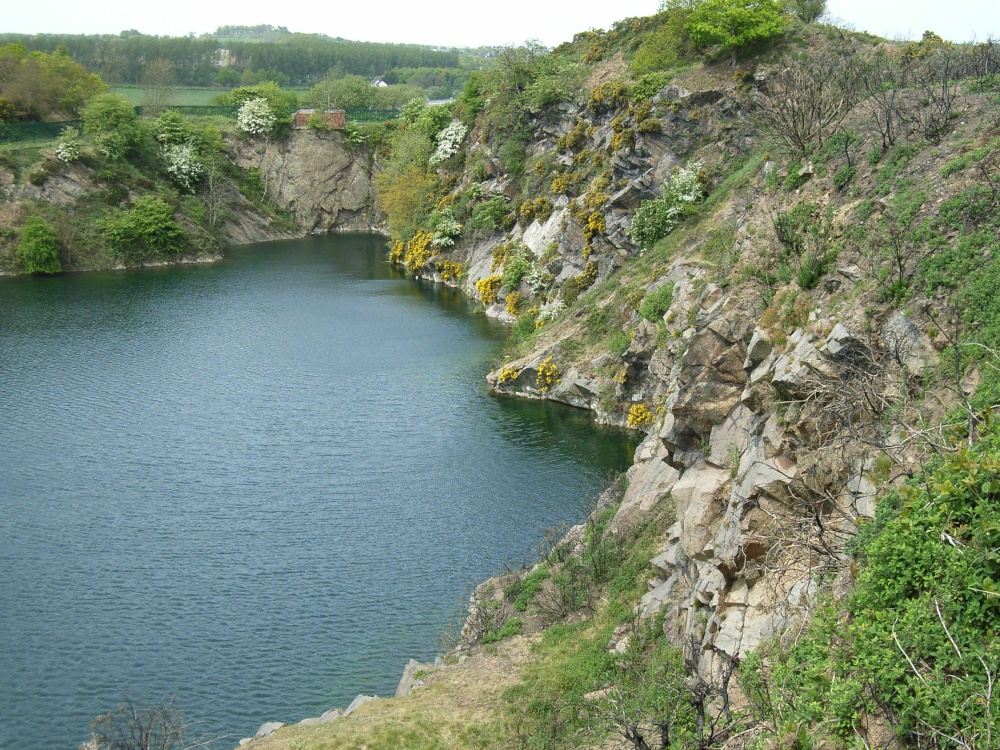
(183, 96)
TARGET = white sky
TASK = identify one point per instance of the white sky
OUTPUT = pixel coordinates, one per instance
(453, 22)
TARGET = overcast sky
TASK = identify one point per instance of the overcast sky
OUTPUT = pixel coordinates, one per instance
(454, 22)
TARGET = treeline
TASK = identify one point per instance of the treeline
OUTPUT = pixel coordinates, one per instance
(303, 58)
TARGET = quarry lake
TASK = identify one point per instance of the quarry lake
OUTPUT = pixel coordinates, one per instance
(258, 486)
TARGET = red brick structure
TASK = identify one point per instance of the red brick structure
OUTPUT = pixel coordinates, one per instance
(334, 118)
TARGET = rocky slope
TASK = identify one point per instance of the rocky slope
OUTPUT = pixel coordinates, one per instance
(309, 182)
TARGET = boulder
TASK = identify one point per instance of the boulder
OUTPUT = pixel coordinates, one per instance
(906, 343)
(358, 703)
(409, 682)
(269, 728)
(331, 715)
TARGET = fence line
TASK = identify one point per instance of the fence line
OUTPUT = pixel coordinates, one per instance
(26, 132)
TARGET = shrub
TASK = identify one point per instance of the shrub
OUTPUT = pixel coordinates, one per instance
(509, 375)
(649, 125)
(513, 303)
(451, 270)
(551, 310)
(657, 218)
(575, 286)
(561, 184)
(732, 24)
(444, 228)
(38, 251)
(418, 251)
(148, 227)
(810, 271)
(68, 149)
(515, 270)
(648, 86)
(524, 589)
(843, 176)
(608, 96)
(639, 416)
(919, 639)
(449, 141)
(489, 289)
(489, 215)
(256, 118)
(548, 375)
(182, 164)
(114, 125)
(656, 303)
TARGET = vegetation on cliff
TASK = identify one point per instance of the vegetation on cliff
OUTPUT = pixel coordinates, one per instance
(769, 243)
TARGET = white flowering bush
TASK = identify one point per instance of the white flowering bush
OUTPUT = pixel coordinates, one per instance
(255, 117)
(538, 281)
(182, 164)
(68, 149)
(445, 229)
(449, 140)
(551, 310)
(657, 218)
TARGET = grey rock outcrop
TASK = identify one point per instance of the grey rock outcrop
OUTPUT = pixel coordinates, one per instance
(358, 703)
(316, 177)
(269, 728)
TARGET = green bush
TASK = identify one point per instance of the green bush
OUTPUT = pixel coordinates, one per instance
(648, 86)
(147, 228)
(811, 270)
(843, 176)
(655, 219)
(733, 24)
(524, 589)
(489, 215)
(113, 124)
(512, 627)
(656, 303)
(921, 636)
(514, 271)
(38, 251)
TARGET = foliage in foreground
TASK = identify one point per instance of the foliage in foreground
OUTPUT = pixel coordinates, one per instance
(39, 248)
(920, 644)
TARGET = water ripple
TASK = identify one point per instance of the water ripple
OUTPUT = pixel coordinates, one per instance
(258, 487)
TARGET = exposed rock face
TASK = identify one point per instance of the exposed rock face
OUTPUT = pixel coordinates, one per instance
(323, 183)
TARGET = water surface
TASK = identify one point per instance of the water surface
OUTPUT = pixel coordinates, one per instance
(258, 486)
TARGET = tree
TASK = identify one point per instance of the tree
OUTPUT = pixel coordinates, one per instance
(157, 80)
(256, 118)
(807, 10)
(114, 125)
(349, 92)
(39, 248)
(147, 228)
(218, 191)
(37, 85)
(734, 24)
(132, 727)
(806, 101)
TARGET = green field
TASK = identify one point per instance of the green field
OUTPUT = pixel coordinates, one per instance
(187, 96)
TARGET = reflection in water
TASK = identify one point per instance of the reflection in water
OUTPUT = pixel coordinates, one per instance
(259, 486)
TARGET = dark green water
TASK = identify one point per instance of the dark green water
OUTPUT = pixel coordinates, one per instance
(258, 486)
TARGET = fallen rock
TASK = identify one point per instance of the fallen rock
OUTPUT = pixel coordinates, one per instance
(409, 682)
(358, 703)
(269, 728)
(331, 715)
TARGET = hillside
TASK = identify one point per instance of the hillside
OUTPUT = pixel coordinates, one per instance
(767, 243)
(773, 252)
